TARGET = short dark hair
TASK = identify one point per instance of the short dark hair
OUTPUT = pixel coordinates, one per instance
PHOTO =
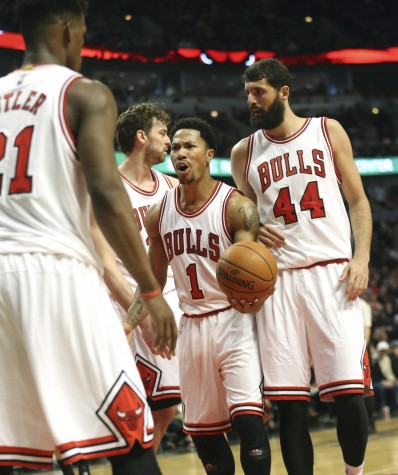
(271, 69)
(35, 13)
(138, 117)
(195, 123)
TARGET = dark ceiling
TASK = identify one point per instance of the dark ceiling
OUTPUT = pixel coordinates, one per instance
(283, 26)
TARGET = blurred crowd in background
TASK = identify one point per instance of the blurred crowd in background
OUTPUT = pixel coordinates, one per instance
(285, 26)
(363, 99)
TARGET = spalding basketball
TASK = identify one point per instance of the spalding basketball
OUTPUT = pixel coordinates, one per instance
(247, 270)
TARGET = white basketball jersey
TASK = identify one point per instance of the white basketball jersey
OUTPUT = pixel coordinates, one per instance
(141, 200)
(193, 242)
(297, 189)
(44, 203)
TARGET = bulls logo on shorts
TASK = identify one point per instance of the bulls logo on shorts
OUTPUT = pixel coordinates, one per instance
(150, 375)
(126, 411)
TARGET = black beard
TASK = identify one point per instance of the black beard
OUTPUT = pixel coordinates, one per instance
(269, 119)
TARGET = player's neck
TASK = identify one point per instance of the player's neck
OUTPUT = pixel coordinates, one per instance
(290, 125)
(137, 172)
(40, 56)
(194, 195)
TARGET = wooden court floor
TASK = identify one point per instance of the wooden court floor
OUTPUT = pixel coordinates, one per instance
(381, 459)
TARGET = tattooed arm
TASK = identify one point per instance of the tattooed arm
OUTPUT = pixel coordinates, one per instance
(159, 263)
(242, 218)
(137, 315)
(243, 223)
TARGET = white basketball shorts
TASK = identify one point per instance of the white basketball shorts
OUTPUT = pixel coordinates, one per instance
(68, 379)
(308, 322)
(220, 371)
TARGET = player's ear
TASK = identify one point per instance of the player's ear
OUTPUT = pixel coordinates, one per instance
(66, 32)
(284, 92)
(141, 136)
(210, 154)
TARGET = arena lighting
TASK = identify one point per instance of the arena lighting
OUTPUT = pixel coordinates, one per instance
(345, 56)
(205, 59)
(250, 60)
(189, 53)
(217, 56)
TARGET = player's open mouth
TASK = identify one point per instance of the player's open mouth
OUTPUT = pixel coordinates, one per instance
(182, 167)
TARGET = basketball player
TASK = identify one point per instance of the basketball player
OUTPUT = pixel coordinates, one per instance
(142, 135)
(220, 373)
(293, 167)
(68, 379)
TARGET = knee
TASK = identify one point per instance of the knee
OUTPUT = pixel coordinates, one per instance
(254, 444)
(215, 454)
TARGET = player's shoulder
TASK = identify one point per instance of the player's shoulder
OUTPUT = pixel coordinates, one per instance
(241, 211)
(86, 89)
(87, 84)
(153, 214)
(88, 98)
(238, 199)
(332, 125)
(240, 147)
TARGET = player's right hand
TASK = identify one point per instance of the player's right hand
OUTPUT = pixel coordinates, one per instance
(271, 236)
(246, 306)
(165, 339)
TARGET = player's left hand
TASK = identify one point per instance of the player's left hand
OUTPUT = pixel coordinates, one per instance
(164, 324)
(271, 236)
(148, 332)
(356, 274)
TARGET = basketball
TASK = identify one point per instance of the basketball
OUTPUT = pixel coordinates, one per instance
(246, 270)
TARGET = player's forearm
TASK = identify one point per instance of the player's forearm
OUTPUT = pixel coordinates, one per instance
(119, 288)
(114, 215)
(136, 312)
(116, 282)
(361, 223)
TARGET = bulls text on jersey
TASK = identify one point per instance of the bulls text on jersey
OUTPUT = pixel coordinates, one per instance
(182, 241)
(286, 165)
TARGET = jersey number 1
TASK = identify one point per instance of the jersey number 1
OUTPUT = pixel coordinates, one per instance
(21, 182)
(193, 278)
